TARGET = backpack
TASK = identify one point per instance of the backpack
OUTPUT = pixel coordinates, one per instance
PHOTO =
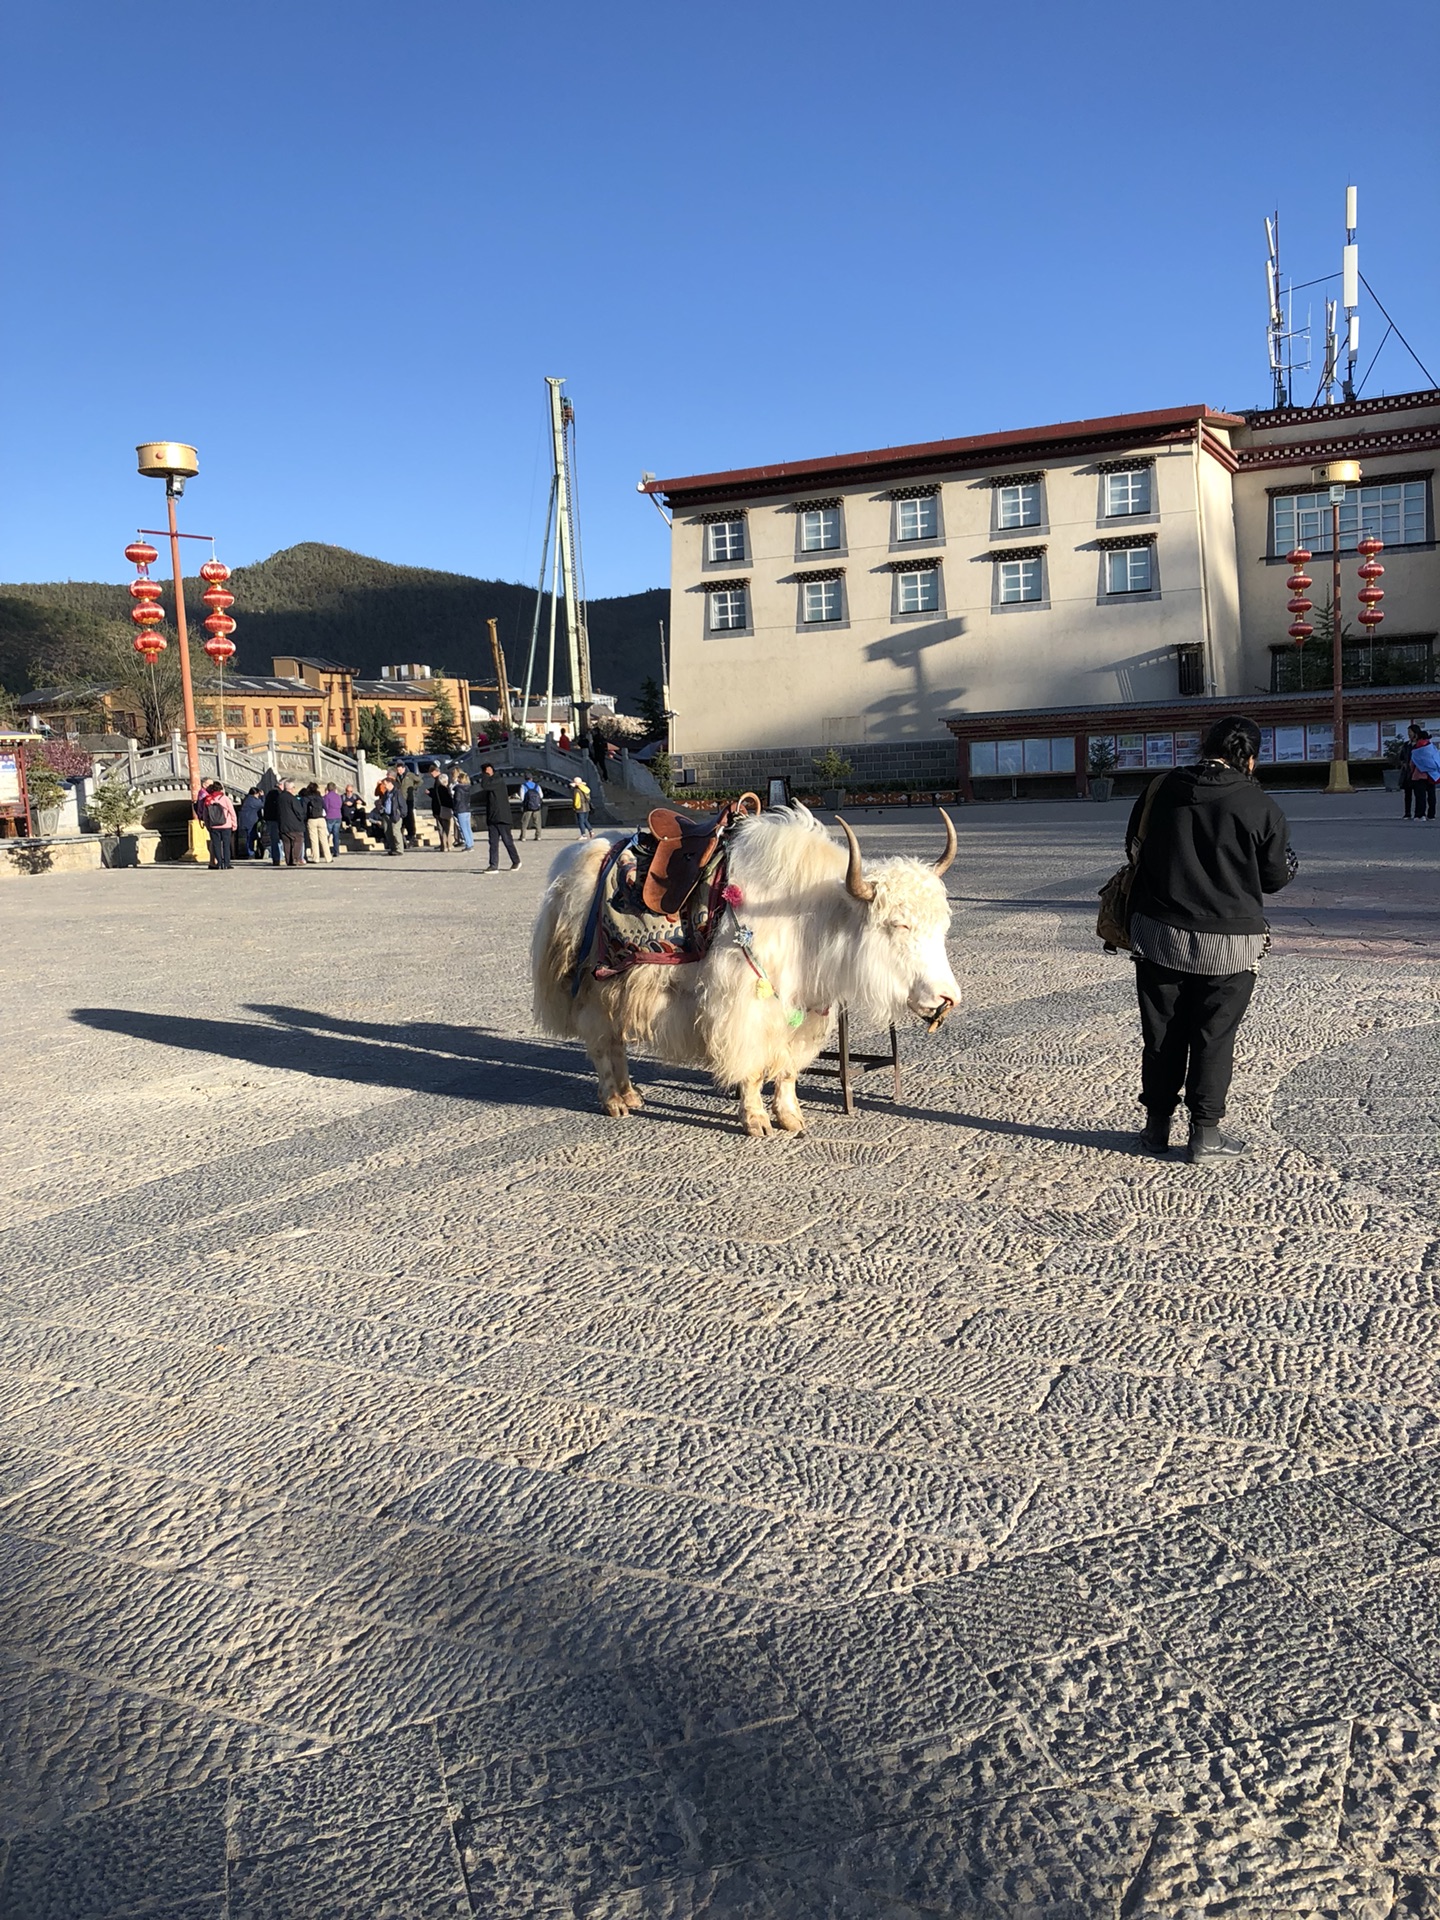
(215, 814)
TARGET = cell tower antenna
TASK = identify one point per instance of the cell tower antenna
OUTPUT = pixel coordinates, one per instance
(1350, 292)
(1280, 331)
(1330, 370)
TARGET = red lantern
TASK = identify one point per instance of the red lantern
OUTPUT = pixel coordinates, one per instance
(147, 615)
(219, 623)
(140, 553)
(1371, 596)
(219, 648)
(217, 599)
(1299, 604)
(1297, 556)
(215, 571)
(1300, 632)
(151, 645)
(1371, 617)
(1370, 546)
(143, 589)
(1298, 582)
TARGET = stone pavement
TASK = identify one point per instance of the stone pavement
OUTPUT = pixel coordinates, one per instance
(420, 1496)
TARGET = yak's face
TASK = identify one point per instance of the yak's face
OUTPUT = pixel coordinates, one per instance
(904, 941)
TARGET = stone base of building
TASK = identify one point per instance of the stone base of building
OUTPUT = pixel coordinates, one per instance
(917, 763)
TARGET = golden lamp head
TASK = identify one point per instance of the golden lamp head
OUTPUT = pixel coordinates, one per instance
(168, 460)
(1339, 473)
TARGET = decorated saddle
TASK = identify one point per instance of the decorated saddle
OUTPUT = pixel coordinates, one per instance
(660, 894)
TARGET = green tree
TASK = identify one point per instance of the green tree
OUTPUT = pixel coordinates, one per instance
(444, 733)
(652, 709)
(378, 739)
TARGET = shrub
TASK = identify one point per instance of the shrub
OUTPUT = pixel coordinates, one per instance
(115, 806)
(831, 770)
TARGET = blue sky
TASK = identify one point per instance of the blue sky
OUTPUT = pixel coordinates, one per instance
(338, 246)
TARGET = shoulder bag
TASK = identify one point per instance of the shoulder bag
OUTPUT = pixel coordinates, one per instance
(1112, 924)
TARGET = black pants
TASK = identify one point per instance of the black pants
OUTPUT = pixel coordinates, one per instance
(1424, 792)
(499, 833)
(221, 840)
(1189, 1021)
(1408, 790)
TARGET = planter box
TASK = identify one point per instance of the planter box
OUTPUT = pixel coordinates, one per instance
(1102, 786)
(1391, 776)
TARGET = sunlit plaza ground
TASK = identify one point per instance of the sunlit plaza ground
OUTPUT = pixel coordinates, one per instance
(423, 1496)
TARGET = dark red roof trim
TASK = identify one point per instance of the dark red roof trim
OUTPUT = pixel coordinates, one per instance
(1304, 453)
(1111, 434)
(1346, 410)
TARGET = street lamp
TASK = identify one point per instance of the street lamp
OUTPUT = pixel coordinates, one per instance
(175, 463)
(1337, 476)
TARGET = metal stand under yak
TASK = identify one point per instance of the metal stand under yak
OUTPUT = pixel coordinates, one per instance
(847, 1061)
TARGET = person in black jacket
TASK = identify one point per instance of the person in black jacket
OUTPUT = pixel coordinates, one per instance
(494, 801)
(270, 814)
(1214, 845)
(290, 817)
(442, 805)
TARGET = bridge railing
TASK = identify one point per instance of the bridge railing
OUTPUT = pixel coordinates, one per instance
(239, 768)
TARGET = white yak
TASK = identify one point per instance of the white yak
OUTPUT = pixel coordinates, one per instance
(823, 932)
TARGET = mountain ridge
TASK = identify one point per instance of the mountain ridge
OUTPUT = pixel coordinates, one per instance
(329, 601)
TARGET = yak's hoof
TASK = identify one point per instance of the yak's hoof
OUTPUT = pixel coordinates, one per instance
(615, 1106)
(633, 1099)
(789, 1120)
(757, 1125)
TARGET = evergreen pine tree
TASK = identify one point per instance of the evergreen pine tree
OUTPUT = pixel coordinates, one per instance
(444, 735)
(378, 739)
(652, 709)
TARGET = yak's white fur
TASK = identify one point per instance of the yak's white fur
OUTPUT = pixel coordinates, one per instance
(819, 947)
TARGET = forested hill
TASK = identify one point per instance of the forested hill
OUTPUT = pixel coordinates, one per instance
(365, 613)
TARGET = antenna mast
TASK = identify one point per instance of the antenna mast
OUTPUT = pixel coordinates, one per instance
(1280, 331)
(1350, 292)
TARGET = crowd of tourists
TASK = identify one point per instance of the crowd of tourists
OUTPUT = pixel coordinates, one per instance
(296, 826)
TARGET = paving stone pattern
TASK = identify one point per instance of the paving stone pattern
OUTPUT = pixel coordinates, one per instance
(420, 1496)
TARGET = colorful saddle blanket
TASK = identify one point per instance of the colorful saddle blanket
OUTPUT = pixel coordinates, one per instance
(630, 935)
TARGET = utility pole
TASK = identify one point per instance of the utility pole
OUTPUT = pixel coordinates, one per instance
(502, 684)
(562, 416)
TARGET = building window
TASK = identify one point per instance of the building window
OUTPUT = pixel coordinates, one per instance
(1017, 580)
(1396, 512)
(917, 592)
(234, 716)
(728, 610)
(820, 600)
(313, 716)
(726, 539)
(397, 716)
(1127, 493)
(918, 519)
(1129, 570)
(287, 716)
(1191, 663)
(1018, 506)
(819, 529)
(206, 716)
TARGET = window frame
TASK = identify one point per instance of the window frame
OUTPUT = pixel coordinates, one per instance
(291, 721)
(721, 590)
(712, 530)
(1127, 592)
(932, 573)
(837, 545)
(999, 524)
(1130, 475)
(825, 588)
(904, 542)
(1000, 602)
(1365, 517)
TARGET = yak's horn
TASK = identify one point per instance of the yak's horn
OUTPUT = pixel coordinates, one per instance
(949, 854)
(855, 883)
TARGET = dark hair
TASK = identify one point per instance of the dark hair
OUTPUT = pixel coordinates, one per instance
(1236, 741)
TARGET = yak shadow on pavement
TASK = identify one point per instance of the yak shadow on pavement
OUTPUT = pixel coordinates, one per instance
(466, 1063)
